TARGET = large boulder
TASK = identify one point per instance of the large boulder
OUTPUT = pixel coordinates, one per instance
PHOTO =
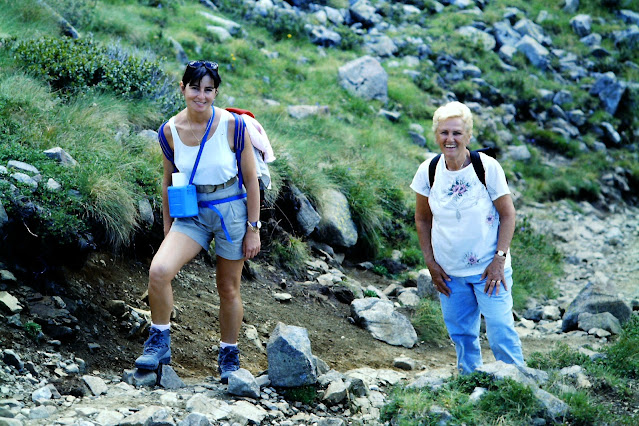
(366, 78)
(383, 322)
(595, 298)
(336, 226)
(290, 361)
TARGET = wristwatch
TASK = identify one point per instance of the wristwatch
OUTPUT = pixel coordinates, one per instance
(254, 226)
(501, 253)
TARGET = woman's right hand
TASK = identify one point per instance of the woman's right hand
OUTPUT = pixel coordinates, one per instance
(439, 277)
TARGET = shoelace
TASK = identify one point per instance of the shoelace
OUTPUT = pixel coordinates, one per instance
(153, 345)
(227, 359)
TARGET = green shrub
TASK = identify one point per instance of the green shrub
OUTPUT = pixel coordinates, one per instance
(516, 399)
(304, 394)
(32, 329)
(283, 25)
(70, 65)
(429, 322)
(583, 410)
(553, 141)
(350, 39)
(413, 256)
(290, 254)
(370, 293)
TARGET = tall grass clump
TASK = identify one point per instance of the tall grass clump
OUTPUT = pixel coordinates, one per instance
(290, 254)
(536, 264)
(429, 322)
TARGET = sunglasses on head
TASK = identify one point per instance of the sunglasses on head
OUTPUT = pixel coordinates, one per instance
(211, 66)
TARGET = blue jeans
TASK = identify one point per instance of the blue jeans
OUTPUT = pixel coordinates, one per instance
(462, 316)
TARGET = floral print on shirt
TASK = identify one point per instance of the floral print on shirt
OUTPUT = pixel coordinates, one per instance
(491, 219)
(459, 188)
(471, 259)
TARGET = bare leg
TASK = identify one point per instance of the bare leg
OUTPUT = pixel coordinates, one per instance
(228, 278)
(175, 251)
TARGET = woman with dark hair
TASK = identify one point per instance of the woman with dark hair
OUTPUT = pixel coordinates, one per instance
(233, 221)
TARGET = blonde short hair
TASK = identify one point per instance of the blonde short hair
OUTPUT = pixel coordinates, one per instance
(453, 110)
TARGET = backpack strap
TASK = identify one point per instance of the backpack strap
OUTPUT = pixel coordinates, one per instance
(238, 145)
(166, 148)
(478, 166)
(431, 169)
(474, 159)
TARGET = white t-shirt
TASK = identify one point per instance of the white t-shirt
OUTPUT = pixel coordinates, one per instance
(465, 221)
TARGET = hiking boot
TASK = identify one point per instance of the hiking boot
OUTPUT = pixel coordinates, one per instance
(228, 361)
(157, 350)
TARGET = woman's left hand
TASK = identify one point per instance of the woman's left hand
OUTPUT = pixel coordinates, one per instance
(252, 244)
(494, 275)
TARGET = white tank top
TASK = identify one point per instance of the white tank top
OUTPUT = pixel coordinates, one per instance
(217, 163)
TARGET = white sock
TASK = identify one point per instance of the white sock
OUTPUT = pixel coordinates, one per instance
(161, 327)
(224, 345)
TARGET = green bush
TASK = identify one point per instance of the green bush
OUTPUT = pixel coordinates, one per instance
(69, 65)
(290, 253)
(283, 25)
(304, 394)
(622, 357)
(350, 39)
(516, 399)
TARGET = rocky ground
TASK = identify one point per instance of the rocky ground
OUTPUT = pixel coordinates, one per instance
(99, 314)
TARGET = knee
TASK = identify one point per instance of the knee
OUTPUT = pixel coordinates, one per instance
(159, 275)
(228, 291)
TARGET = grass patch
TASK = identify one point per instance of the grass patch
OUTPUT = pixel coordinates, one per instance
(429, 322)
(536, 264)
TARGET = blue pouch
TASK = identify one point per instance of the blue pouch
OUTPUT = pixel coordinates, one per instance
(182, 201)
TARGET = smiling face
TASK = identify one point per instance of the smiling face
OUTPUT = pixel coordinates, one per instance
(453, 138)
(199, 95)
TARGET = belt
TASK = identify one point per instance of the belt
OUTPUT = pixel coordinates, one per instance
(213, 188)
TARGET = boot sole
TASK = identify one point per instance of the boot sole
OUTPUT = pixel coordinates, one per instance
(165, 360)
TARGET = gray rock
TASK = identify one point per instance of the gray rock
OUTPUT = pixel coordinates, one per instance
(418, 139)
(604, 320)
(404, 363)
(233, 28)
(169, 378)
(290, 361)
(330, 421)
(581, 25)
(146, 212)
(140, 378)
(629, 36)
(109, 417)
(519, 153)
(53, 186)
(152, 415)
(383, 322)
(363, 12)
(505, 35)
(519, 373)
(245, 412)
(11, 358)
(195, 419)
(322, 36)
(381, 45)
(409, 298)
(365, 78)
(180, 55)
(526, 27)
(629, 16)
(307, 217)
(335, 393)
(242, 383)
(95, 384)
(571, 6)
(39, 413)
(150, 135)
(482, 38)
(22, 167)
(302, 111)
(221, 34)
(595, 298)
(478, 392)
(535, 52)
(562, 97)
(61, 156)
(591, 40)
(336, 226)
(42, 394)
(25, 179)
(555, 407)
(425, 286)
(393, 116)
(4, 421)
(9, 303)
(433, 379)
